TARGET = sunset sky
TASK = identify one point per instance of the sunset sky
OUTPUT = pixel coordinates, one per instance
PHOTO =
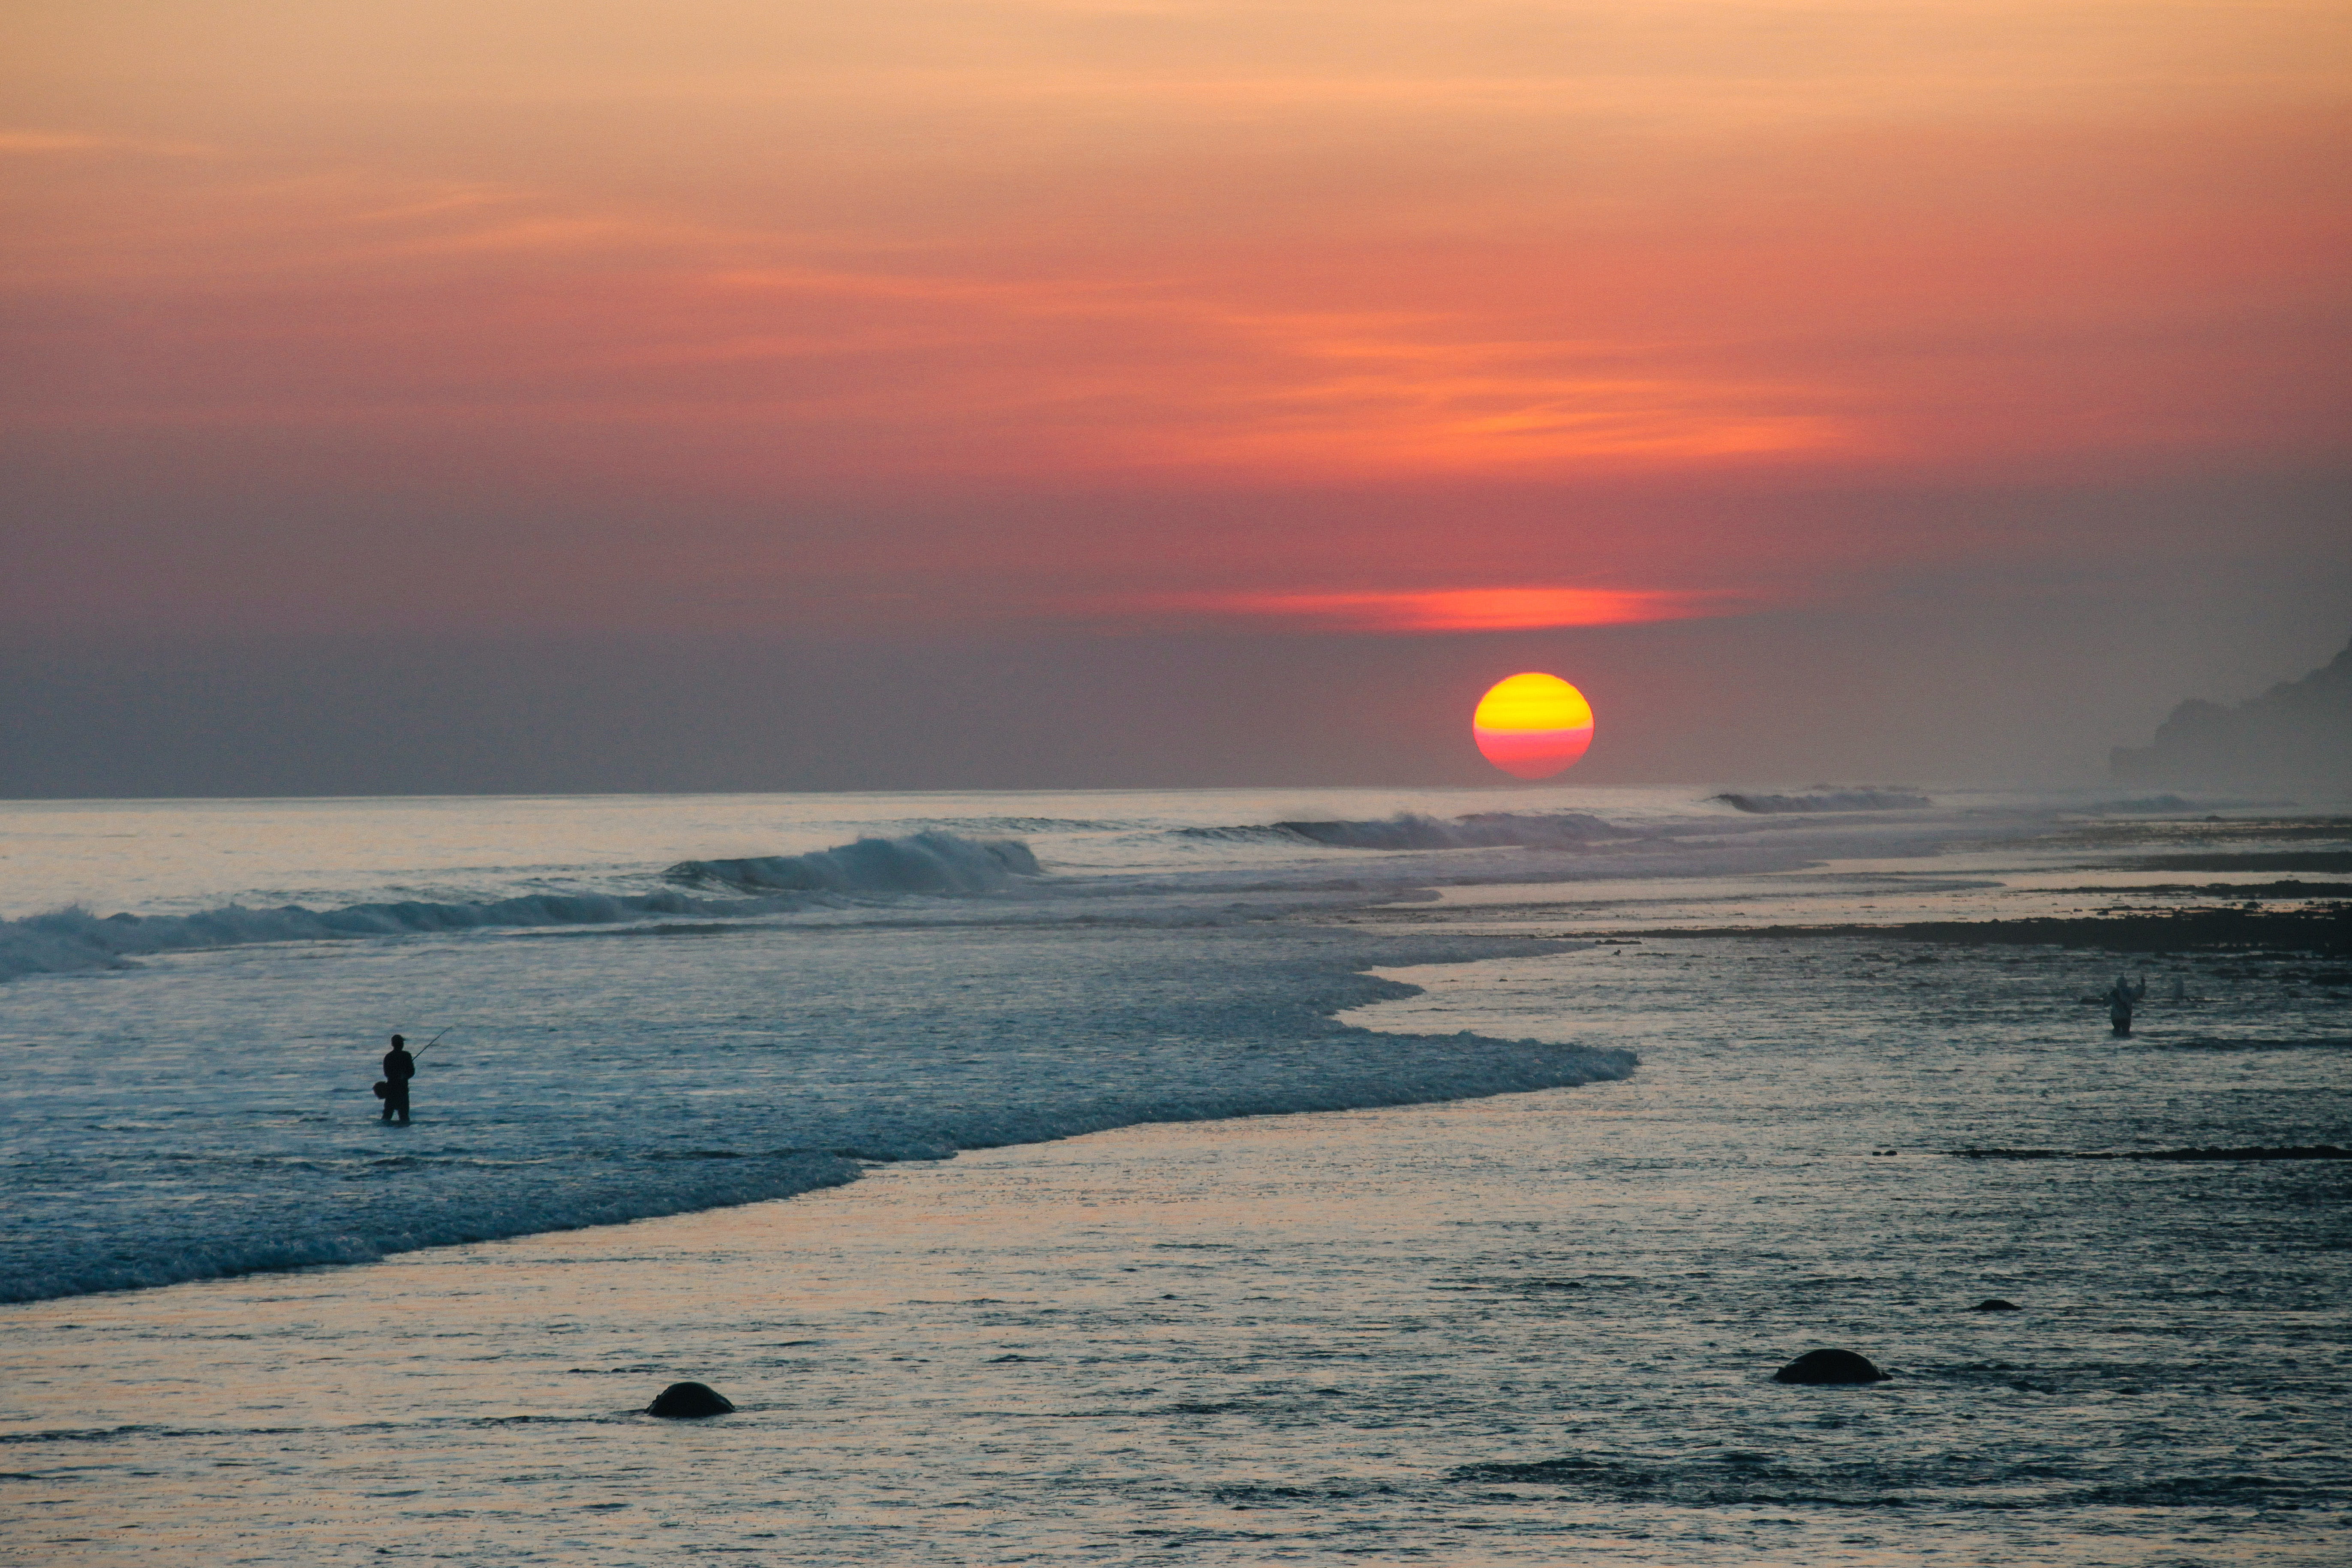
(1897, 356)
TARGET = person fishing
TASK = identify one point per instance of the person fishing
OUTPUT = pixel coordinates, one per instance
(399, 1067)
(2121, 998)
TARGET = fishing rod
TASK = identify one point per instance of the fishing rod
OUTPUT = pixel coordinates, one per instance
(432, 1042)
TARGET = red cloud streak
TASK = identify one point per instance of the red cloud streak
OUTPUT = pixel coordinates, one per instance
(1447, 609)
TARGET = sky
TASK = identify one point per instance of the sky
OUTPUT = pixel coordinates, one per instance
(728, 393)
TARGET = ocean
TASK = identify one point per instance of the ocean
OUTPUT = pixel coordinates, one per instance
(1165, 1176)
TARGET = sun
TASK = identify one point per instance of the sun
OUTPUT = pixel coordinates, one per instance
(1532, 725)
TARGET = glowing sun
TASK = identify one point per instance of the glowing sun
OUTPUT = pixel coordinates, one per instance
(1532, 726)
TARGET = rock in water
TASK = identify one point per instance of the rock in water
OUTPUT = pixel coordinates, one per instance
(1995, 1304)
(1829, 1366)
(684, 1401)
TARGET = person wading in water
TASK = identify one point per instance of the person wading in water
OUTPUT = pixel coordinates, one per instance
(399, 1067)
(2121, 999)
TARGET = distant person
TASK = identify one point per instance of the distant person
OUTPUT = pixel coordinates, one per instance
(399, 1067)
(2121, 999)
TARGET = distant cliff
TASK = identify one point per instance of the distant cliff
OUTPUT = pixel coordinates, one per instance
(2297, 735)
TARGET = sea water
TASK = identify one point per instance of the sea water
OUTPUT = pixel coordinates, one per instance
(1537, 1324)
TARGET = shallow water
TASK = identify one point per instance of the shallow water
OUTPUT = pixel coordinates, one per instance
(1299, 1338)
(1530, 1327)
(647, 1018)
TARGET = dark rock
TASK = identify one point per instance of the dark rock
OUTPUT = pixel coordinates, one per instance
(1995, 1304)
(684, 1401)
(1829, 1366)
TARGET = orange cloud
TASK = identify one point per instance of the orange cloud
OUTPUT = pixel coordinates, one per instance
(1541, 285)
(24, 142)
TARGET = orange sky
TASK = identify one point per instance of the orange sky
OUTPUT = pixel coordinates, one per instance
(803, 316)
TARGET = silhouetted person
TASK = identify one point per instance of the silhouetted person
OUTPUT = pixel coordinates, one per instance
(2121, 999)
(399, 1067)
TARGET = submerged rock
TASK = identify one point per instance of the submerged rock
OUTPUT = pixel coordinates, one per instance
(684, 1401)
(1829, 1366)
(1995, 1304)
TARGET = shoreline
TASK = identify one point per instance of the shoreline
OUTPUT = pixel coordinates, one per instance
(1291, 1056)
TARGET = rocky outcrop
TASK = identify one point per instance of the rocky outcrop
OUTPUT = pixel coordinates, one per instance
(688, 1401)
(2295, 735)
(1830, 1366)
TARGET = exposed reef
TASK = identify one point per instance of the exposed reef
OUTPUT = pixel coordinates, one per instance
(2319, 928)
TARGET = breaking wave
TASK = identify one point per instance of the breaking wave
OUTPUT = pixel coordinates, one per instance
(2138, 806)
(71, 939)
(1826, 800)
(1410, 830)
(922, 863)
(68, 940)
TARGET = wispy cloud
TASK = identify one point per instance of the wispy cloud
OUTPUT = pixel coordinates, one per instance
(23, 142)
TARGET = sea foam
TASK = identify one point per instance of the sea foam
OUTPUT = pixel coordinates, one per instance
(214, 1119)
(938, 864)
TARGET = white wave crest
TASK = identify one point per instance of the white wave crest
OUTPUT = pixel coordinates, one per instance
(71, 939)
(1826, 800)
(921, 863)
(1411, 830)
